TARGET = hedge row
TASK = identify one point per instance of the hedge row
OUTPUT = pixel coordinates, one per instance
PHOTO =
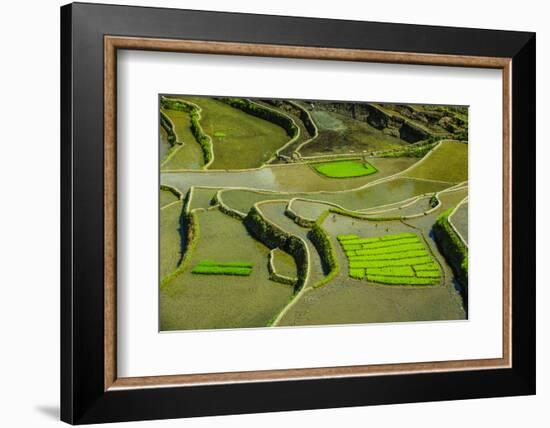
(362, 216)
(300, 221)
(327, 253)
(168, 126)
(264, 113)
(172, 190)
(305, 117)
(194, 114)
(227, 210)
(172, 104)
(452, 247)
(273, 237)
(193, 234)
(202, 138)
(415, 150)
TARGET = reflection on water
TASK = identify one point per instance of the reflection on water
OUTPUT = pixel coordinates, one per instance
(164, 145)
(290, 178)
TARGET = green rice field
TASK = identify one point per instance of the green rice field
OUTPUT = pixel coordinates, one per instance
(345, 169)
(400, 259)
(309, 212)
(209, 267)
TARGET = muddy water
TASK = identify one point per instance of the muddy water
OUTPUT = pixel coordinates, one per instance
(286, 178)
(192, 301)
(164, 145)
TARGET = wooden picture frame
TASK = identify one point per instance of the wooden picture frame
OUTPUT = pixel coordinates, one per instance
(91, 390)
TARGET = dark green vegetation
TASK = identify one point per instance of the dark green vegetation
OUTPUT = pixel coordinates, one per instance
(344, 169)
(452, 247)
(288, 213)
(209, 267)
(400, 259)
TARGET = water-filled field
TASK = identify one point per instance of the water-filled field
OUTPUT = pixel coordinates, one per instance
(447, 162)
(309, 212)
(293, 177)
(187, 154)
(247, 141)
(222, 301)
(167, 197)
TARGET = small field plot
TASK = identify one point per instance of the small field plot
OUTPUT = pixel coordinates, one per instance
(283, 265)
(209, 267)
(345, 168)
(188, 153)
(167, 197)
(399, 259)
(240, 140)
(194, 301)
(202, 197)
(447, 162)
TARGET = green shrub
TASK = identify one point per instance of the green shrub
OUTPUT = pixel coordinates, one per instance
(417, 150)
(193, 233)
(168, 126)
(204, 140)
(452, 247)
(327, 253)
(272, 236)
(264, 113)
(174, 104)
(172, 190)
(194, 114)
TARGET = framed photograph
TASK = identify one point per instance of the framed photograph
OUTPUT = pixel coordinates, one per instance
(265, 213)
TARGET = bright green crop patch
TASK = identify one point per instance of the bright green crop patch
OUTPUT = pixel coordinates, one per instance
(357, 273)
(345, 169)
(208, 267)
(344, 238)
(398, 259)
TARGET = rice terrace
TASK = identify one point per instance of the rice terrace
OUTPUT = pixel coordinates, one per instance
(277, 212)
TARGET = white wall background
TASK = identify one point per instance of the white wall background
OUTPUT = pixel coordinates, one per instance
(29, 218)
